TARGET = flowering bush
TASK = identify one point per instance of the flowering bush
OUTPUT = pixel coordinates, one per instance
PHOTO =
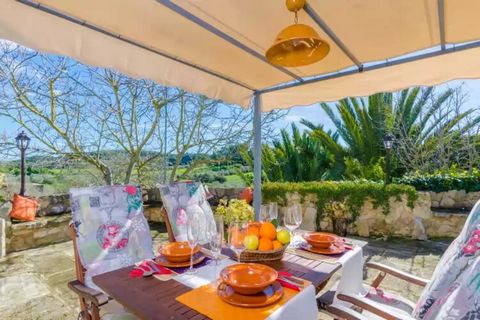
(235, 210)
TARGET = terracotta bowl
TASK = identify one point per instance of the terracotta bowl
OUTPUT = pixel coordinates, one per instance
(178, 251)
(248, 278)
(320, 240)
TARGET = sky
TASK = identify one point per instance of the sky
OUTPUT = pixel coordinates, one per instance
(314, 112)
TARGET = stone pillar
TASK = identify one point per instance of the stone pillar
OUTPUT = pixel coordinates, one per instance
(3, 238)
(5, 209)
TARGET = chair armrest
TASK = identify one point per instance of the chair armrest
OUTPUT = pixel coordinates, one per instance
(398, 273)
(345, 313)
(368, 305)
(91, 295)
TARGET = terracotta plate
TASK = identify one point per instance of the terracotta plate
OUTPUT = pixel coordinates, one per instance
(177, 252)
(336, 248)
(320, 240)
(248, 278)
(268, 296)
(197, 258)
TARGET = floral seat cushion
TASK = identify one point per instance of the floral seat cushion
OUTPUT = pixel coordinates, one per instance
(454, 291)
(182, 198)
(110, 228)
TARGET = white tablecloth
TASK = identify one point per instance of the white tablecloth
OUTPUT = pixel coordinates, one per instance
(352, 273)
(302, 306)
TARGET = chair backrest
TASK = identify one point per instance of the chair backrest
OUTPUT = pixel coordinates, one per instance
(454, 290)
(111, 231)
(181, 198)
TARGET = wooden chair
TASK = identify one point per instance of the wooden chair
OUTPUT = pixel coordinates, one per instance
(109, 223)
(452, 288)
(199, 195)
(171, 236)
(90, 299)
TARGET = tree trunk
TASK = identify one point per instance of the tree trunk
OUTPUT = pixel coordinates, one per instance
(128, 174)
(107, 176)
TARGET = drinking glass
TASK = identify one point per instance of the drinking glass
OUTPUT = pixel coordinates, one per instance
(236, 234)
(194, 234)
(264, 212)
(215, 237)
(273, 211)
(293, 218)
(269, 212)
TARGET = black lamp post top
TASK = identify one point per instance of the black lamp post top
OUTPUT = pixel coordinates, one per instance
(388, 141)
(22, 140)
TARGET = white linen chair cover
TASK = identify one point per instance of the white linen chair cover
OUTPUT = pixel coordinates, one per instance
(452, 293)
(454, 290)
(180, 198)
(110, 228)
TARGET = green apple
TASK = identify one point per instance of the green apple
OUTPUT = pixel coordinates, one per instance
(251, 242)
(283, 236)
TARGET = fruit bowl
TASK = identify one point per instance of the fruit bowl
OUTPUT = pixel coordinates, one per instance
(263, 242)
(248, 278)
(320, 240)
(178, 251)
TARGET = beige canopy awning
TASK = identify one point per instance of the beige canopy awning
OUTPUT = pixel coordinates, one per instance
(216, 47)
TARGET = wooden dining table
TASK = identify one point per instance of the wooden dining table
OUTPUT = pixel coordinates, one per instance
(150, 298)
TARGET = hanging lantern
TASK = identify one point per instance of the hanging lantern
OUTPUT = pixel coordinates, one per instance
(298, 44)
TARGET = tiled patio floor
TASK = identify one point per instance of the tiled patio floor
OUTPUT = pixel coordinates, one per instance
(33, 282)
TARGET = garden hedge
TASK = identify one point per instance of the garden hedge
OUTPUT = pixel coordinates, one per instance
(470, 182)
(353, 193)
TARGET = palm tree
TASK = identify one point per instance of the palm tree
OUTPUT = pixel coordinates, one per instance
(415, 114)
(295, 157)
(361, 125)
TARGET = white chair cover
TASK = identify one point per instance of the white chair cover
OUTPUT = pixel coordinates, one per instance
(454, 291)
(110, 227)
(181, 198)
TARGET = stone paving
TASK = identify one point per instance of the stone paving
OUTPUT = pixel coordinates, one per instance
(33, 283)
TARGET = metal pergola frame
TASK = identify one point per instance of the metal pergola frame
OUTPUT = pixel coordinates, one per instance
(357, 65)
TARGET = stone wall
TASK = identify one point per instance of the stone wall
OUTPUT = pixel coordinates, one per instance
(41, 232)
(419, 222)
(454, 199)
(53, 217)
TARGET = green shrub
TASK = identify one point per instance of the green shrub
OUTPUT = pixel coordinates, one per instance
(444, 181)
(353, 193)
(235, 210)
(208, 177)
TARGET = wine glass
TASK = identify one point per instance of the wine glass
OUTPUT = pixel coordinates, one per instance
(273, 211)
(293, 218)
(194, 234)
(215, 237)
(236, 234)
(264, 212)
(269, 212)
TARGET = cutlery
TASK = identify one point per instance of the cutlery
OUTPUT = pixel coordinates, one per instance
(293, 282)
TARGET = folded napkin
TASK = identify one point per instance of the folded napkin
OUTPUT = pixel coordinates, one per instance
(147, 268)
(287, 284)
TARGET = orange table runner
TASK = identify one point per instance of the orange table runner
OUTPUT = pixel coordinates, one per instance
(205, 300)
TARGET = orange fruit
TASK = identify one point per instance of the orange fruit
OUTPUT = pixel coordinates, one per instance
(253, 230)
(268, 230)
(265, 244)
(276, 244)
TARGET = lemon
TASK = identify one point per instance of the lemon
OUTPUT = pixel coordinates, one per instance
(283, 236)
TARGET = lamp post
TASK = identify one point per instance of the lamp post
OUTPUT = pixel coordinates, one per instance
(388, 144)
(22, 143)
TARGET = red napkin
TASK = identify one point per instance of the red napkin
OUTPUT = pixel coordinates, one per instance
(147, 268)
(285, 284)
